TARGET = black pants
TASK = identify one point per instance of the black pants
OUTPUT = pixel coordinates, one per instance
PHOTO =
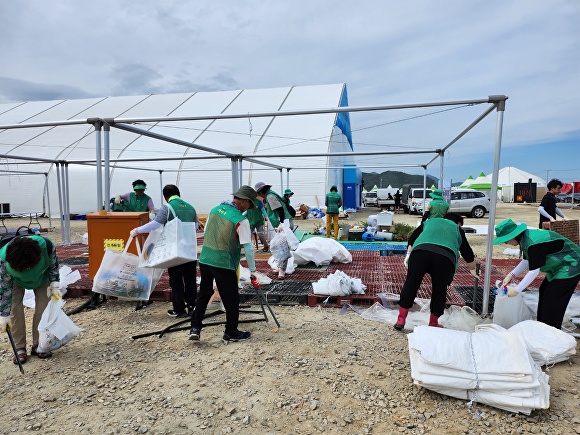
(183, 285)
(227, 285)
(441, 270)
(554, 298)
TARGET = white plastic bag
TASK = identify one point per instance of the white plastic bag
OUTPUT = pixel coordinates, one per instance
(120, 275)
(508, 312)
(290, 265)
(279, 247)
(291, 238)
(55, 328)
(175, 245)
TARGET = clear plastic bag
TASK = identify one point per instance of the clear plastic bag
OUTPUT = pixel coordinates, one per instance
(55, 328)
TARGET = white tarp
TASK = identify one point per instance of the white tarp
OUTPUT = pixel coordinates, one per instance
(490, 367)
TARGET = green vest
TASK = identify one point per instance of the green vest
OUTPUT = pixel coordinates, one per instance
(31, 278)
(438, 208)
(559, 265)
(184, 210)
(273, 216)
(442, 232)
(255, 216)
(221, 245)
(138, 203)
(333, 199)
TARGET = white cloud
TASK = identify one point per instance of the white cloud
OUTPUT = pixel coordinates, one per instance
(387, 53)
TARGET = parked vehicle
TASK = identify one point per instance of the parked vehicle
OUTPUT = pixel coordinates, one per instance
(418, 199)
(370, 199)
(383, 200)
(407, 196)
(576, 197)
(469, 202)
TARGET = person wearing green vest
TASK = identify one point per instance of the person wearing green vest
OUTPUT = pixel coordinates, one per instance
(333, 203)
(437, 207)
(182, 277)
(134, 201)
(542, 251)
(434, 249)
(227, 230)
(256, 218)
(27, 262)
(288, 194)
(276, 207)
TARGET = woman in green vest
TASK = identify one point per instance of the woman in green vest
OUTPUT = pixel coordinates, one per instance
(333, 203)
(434, 249)
(543, 251)
(27, 262)
(137, 200)
(256, 218)
(437, 207)
(182, 278)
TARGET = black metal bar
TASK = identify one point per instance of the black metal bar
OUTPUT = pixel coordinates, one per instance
(11, 339)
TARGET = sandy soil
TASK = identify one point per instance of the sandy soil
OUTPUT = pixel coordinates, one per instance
(321, 372)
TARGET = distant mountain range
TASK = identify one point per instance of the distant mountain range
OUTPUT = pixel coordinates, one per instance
(394, 179)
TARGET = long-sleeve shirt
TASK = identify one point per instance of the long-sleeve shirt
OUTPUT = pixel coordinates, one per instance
(6, 282)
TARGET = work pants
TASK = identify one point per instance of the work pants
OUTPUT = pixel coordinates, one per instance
(260, 230)
(441, 270)
(227, 285)
(553, 300)
(332, 218)
(17, 314)
(183, 286)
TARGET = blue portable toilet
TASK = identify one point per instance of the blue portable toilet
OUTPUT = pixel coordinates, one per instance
(352, 187)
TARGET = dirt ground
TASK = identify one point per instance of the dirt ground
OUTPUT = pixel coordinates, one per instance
(321, 372)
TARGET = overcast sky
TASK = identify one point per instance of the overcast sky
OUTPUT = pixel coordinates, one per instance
(387, 53)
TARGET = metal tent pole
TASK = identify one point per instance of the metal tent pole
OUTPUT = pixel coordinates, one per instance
(47, 198)
(107, 165)
(161, 188)
(60, 206)
(98, 125)
(500, 104)
(424, 187)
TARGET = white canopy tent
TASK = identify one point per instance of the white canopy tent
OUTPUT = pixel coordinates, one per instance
(226, 137)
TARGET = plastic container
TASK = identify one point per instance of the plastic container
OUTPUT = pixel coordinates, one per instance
(368, 237)
(383, 235)
(372, 220)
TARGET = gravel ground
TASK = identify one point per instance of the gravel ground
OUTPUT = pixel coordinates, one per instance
(321, 372)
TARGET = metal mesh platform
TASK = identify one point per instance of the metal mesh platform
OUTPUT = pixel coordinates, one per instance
(313, 266)
(279, 293)
(467, 294)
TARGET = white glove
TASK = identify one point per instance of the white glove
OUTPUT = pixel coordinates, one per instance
(133, 232)
(280, 228)
(152, 216)
(53, 290)
(118, 199)
(474, 273)
(4, 322)
(507, 280)
(512, 291)
(406, 261)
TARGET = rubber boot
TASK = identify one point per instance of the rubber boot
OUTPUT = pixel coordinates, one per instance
(401, 319)
(434, 321)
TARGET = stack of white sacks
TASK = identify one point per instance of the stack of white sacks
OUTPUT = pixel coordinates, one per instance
(494, 366)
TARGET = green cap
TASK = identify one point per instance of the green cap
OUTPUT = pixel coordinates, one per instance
(139, 187)
(508, 230)
(246, 192)
(436, 194)
(288, 192)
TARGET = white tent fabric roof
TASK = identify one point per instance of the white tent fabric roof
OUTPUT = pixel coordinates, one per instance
(203, 182)
(509, 175)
